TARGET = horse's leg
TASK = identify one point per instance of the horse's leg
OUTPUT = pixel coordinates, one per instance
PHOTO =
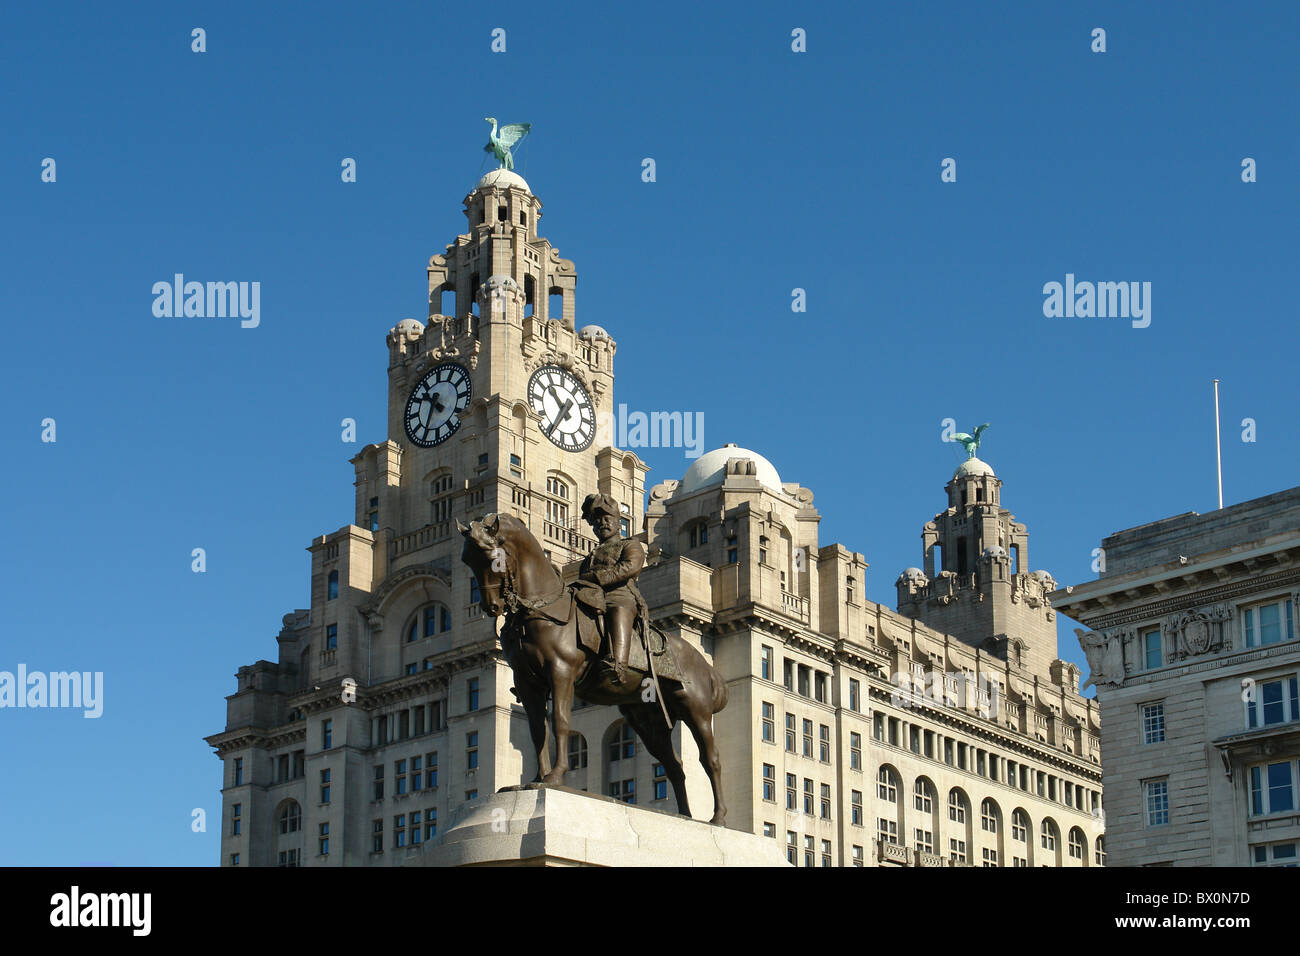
(533, 697)
(700, 721)
(648, 722)
(563, 671)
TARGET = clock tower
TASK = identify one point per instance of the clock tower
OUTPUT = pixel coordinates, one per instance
(390, 707)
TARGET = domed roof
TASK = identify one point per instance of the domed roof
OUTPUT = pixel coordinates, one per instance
(974, 468)
(711, 468)
(592, 332)
(504, 178)
(410, 326)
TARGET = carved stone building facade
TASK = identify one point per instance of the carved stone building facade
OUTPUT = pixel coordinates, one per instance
(1194, 654)
(388, 708)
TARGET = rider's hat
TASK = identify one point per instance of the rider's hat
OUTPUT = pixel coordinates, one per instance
(597, 503)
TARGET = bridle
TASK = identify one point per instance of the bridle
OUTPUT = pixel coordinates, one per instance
(509, 597)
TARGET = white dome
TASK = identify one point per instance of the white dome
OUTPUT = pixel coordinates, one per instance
(973, 467)
(410, 326)
(504, 178)
(711, 468)
(592, 332)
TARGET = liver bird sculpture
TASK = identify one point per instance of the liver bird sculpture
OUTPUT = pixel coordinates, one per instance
(500, 142)
(971, 442)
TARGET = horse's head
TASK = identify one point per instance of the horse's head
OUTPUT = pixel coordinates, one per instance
(484, 554)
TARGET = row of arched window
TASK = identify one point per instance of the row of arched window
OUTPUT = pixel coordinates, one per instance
(915, 820)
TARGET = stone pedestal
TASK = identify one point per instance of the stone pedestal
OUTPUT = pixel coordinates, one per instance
(535, 825)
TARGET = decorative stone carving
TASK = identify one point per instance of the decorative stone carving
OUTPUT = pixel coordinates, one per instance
(1105, 654)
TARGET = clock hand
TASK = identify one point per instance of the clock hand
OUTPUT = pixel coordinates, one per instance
(564, 413)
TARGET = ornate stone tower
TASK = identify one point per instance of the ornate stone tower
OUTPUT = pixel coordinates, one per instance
(390, 704)
(976, 581)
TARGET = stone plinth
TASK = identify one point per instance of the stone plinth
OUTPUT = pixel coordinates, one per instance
(535, 825)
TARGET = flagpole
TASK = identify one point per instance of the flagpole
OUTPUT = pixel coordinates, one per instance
(1218, 446)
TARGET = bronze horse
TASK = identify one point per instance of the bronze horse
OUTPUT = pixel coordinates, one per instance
(516, 578)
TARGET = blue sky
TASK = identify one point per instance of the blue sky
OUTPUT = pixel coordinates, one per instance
(775, 171)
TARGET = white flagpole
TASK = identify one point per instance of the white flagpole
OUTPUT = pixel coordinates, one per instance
(1218, 447)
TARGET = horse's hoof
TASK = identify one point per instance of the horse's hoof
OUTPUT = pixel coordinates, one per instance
(719, 819)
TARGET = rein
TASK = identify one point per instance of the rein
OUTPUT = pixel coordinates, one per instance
(512, 600)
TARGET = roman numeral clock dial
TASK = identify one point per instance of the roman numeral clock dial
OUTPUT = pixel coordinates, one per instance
(433, 410)
(568, 419)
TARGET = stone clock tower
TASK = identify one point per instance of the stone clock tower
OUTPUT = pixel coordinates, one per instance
(390, 707)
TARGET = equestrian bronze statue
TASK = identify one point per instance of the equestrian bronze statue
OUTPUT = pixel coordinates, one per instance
(593, 638)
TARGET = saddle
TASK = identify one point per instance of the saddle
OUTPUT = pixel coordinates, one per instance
(647, 640)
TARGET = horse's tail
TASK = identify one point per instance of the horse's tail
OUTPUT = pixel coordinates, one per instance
(719, 689)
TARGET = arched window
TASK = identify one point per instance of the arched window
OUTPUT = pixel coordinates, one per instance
(922, 798)
(622, 746)
(290, 818)
(1020, 826)
(333, 586)
(1076, 844)
(956, 806)
(557, 512)
(429, 621)
(1047, 834)
(577, 751)
(886, 789)
(989, 816)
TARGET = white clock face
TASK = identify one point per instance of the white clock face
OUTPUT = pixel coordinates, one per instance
(433, 410)
(568, 418)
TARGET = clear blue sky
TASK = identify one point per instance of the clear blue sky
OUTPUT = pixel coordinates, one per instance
(775, 170)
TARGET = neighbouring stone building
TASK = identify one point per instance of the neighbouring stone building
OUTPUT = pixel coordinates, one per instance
(944, 732)
(1193, 650)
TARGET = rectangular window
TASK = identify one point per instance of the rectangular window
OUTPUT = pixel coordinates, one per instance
(924, 841)
(471, 694)
(878, 726)
(377, 837)
(1272, 788)
(624, 790)
(957, 850)
(399, 831)
(660, 781)
(1268, 623)
(826, 853)
(807, 738)
(1273, 702)
(824, 743)
(765, 663)
(1276, 854)
(331, 637)
(791, 792)
(417, 773)
(327, 734)
(826, 801)
(325, 786)
(471, 750)
(1157, 802)
(378, 791)
(431, 770)
(239, 772)
(808, 796)
(792, 847)
(805, 678)
(819, 686)
(430, 824)
(789, 733)
(1153, 723)
(855, 751)
(399, 777)
(769, 782)
(236, 821)
(1152, 654)
(769, 830)
(787, 675)
(990, 857)
(324, 838)
(769, 723)
(855, 690)
(857, 855)
(887, 831)
(856, 808)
